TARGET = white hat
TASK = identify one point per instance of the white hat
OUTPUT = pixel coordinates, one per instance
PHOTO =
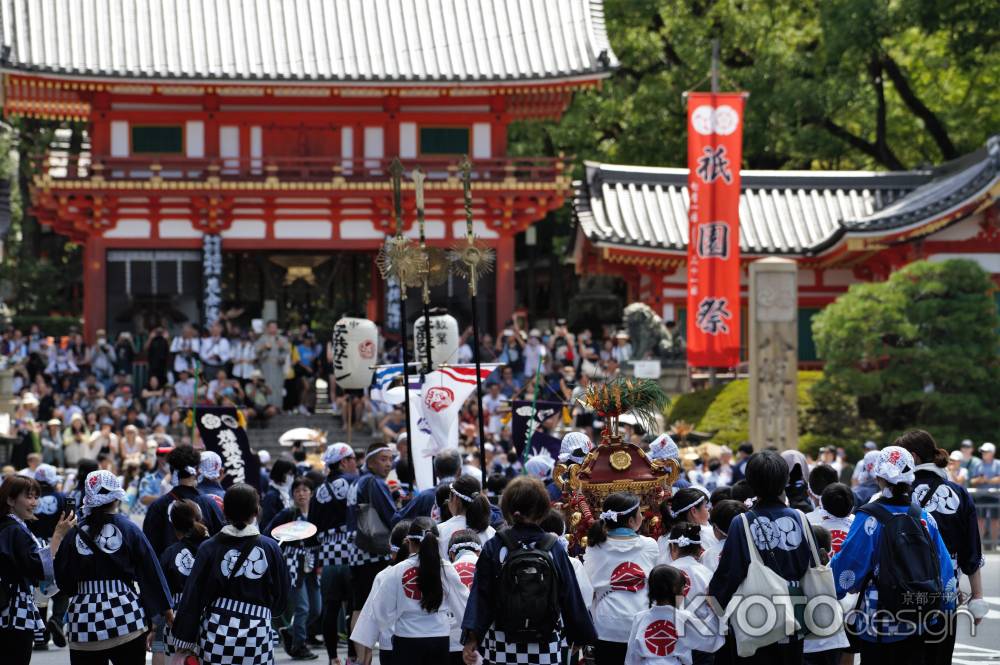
(336, 452)
(987, 448)
(46, 473)
(210, 466)
(663, 447)
(29, 399)
(264, 456)
(575, 446)
(540, 466)
(101, 488)
(956, 455)
(867, 472)
(895, 465)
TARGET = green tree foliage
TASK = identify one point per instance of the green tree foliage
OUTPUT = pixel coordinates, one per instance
(918, 350)
(834, 84)
(827, 415)
(40, 271)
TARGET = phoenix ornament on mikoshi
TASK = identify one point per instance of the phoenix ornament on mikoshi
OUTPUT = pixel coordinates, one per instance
(615, 465)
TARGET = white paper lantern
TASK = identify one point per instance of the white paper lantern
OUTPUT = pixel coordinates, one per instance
(444, 339)
(355, 347)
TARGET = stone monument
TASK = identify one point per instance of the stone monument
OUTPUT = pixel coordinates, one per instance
(774, 354)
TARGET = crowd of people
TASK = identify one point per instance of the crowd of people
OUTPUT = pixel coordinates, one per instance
(121, 534)
(479, 568)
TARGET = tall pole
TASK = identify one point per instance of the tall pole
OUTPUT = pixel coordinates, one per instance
(418, 182)
(473, 277)
(713, 374)
(396, 173)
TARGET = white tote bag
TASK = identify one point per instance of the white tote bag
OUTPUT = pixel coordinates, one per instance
(824, 614)
(761, 612)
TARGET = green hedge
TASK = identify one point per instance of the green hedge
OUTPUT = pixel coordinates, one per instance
(724, 411)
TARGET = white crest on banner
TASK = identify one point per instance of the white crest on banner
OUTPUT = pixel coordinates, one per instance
(445, 391)
(211, 421)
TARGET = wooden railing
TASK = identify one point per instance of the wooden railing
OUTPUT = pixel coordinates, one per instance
(292, 169)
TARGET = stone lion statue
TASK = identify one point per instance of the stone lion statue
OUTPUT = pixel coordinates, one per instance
(646, 332)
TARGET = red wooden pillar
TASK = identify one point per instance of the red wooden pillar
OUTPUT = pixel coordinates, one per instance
(95, 304)
(505, 279)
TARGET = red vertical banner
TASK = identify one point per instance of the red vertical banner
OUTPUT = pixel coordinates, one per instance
(715, 149)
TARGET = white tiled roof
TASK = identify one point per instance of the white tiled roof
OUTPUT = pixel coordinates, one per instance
(405, 41)
(781, 212)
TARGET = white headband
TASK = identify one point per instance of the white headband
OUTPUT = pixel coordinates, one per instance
(688, 507)
(393, 549)
(475, 547)
(613, 515)
(376, 452)
(684, 541)
(463, 497)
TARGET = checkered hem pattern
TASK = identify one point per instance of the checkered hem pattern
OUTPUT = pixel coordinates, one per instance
(21, 613)
(239, 607)
(231, 638)
(335, 546)
(175, 602)
(359, 557)
(501, 652)
(103, 609)
(181, 645)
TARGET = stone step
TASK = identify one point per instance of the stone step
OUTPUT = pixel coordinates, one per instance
(267, 438)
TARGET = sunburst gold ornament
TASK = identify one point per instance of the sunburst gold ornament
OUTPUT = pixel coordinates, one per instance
(401, 259)
(472, 260)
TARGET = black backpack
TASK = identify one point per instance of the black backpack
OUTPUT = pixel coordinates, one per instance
(528, 597)
(909, 571)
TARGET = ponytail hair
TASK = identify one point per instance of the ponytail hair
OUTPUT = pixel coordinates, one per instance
(616, 511)
(922, 446)
(424, 531)
(397, 538)
(186, 518)
(476, 506)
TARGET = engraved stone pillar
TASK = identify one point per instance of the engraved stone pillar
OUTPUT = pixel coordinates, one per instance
(774, 354)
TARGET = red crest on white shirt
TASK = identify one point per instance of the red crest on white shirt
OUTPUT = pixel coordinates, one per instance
(661, 637)
(628, 576)
(837, 538)
(410, 587)
(466, 571)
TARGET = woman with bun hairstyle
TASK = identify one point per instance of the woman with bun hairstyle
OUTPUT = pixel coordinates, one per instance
(370, 629)
(955, 513)
(689, 505)
(470, 509)
(416, 596)
(618, 561)
(178, 560)
(882, 634)
(238, 581)
(524, 503)
(655, 636)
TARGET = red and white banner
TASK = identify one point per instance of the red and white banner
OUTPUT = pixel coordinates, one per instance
(715, 149)
(444, 392)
